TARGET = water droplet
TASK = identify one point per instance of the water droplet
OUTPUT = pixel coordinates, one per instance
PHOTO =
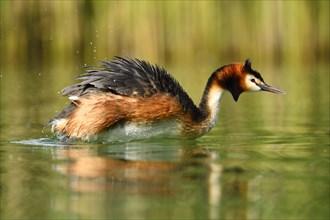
(91, 42)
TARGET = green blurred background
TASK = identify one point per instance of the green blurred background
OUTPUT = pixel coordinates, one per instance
(164, 31)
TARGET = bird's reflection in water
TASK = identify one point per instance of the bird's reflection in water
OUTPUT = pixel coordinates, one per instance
(94, 171)
(148, 170)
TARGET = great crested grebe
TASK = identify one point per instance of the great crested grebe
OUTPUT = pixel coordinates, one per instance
(128, 99)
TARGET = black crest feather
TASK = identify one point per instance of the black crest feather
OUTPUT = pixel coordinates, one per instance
(247, 64)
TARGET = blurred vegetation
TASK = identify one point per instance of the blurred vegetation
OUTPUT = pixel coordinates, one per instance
(40, 32)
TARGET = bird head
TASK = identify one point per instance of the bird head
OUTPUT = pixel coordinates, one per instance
(238, 78)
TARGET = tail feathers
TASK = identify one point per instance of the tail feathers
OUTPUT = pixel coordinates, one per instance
(55, 123)
(65, 113)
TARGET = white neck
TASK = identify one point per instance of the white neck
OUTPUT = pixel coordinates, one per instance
(210, 104)
(215, 96)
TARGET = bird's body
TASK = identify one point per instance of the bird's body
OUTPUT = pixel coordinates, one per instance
(129, 99)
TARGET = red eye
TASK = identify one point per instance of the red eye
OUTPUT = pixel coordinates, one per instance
(252, 80)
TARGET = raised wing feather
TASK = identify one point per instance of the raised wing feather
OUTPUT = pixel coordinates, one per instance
(129, 77)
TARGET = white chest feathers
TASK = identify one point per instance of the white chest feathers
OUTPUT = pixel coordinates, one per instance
(130, 131)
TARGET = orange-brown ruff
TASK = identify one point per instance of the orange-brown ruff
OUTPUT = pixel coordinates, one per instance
(128, 99)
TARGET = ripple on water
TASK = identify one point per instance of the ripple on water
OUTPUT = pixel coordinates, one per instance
(44, 142)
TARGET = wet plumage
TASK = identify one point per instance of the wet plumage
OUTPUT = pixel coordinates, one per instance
(127, 99)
